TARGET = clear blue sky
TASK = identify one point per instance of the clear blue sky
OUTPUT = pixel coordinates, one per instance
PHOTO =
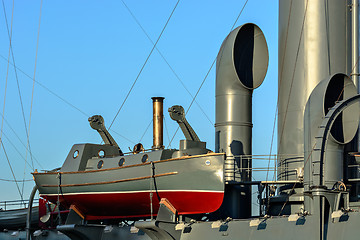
(90, 53)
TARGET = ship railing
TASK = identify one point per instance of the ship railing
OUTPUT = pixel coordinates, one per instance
(142, 151)
(264, 174)
(16, 204)
(353, 173)
(237, 168)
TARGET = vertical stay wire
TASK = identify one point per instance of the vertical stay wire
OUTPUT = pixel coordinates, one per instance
(16, 76)
(143, 66)
(167, 63)
(207, 74)
(7, 72)
(6, 81)
(291, 85)
(32, 96)
(293, 74)
(301, 34)
(12, 172)
(277, 104)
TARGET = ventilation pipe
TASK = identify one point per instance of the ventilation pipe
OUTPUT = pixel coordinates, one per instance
(240, 68)
(326, 94)
(158, 117)
(329, 91)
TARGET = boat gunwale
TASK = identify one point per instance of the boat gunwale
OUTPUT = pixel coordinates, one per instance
(134, 165)
(110, 182)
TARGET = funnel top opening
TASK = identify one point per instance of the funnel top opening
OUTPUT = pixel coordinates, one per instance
(251, 56)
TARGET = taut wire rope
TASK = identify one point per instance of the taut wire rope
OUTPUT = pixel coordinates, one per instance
(32, 97)
(143, 66)
(17, 136)
(16, 76)
(277, 104)
(167, 63)
(12, 171)
(6, 81)
(207, 74)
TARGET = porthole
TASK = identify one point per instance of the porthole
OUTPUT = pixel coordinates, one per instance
(100, 164)
(121, 162)
(207, 162)
(144, 158)
(76, 154)
(101, 153)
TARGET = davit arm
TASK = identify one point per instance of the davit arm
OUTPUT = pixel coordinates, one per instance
(177, 114)
(97, 123)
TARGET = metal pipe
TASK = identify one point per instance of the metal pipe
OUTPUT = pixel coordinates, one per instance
(28, 217)
(240, 68)
(158, 117)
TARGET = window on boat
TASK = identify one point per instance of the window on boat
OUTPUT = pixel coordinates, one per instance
(144, 158)
(121, 162)
(101, 153)
(100, 164)
(76, 154)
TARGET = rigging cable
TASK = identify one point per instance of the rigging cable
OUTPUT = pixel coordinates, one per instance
(146, 130)
(17, 136)
(12, 172)
(353, 69)
(293, 74)
(7, 72)
(32, 96)
(277, 104)
(166, 129)
(207, 74)
(56, 95)
(6, 81)
(16, 76)
(123, 137)
(143, 66)
(167, 63)
(46, 88)
(17, 150)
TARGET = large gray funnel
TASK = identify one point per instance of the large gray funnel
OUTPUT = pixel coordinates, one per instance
(329, 91)
(313, 45)
(241, 67)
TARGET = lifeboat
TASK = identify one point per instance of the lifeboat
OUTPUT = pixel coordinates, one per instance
(101, 182)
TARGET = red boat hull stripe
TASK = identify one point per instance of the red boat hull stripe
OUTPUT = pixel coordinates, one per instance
(137, 203)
